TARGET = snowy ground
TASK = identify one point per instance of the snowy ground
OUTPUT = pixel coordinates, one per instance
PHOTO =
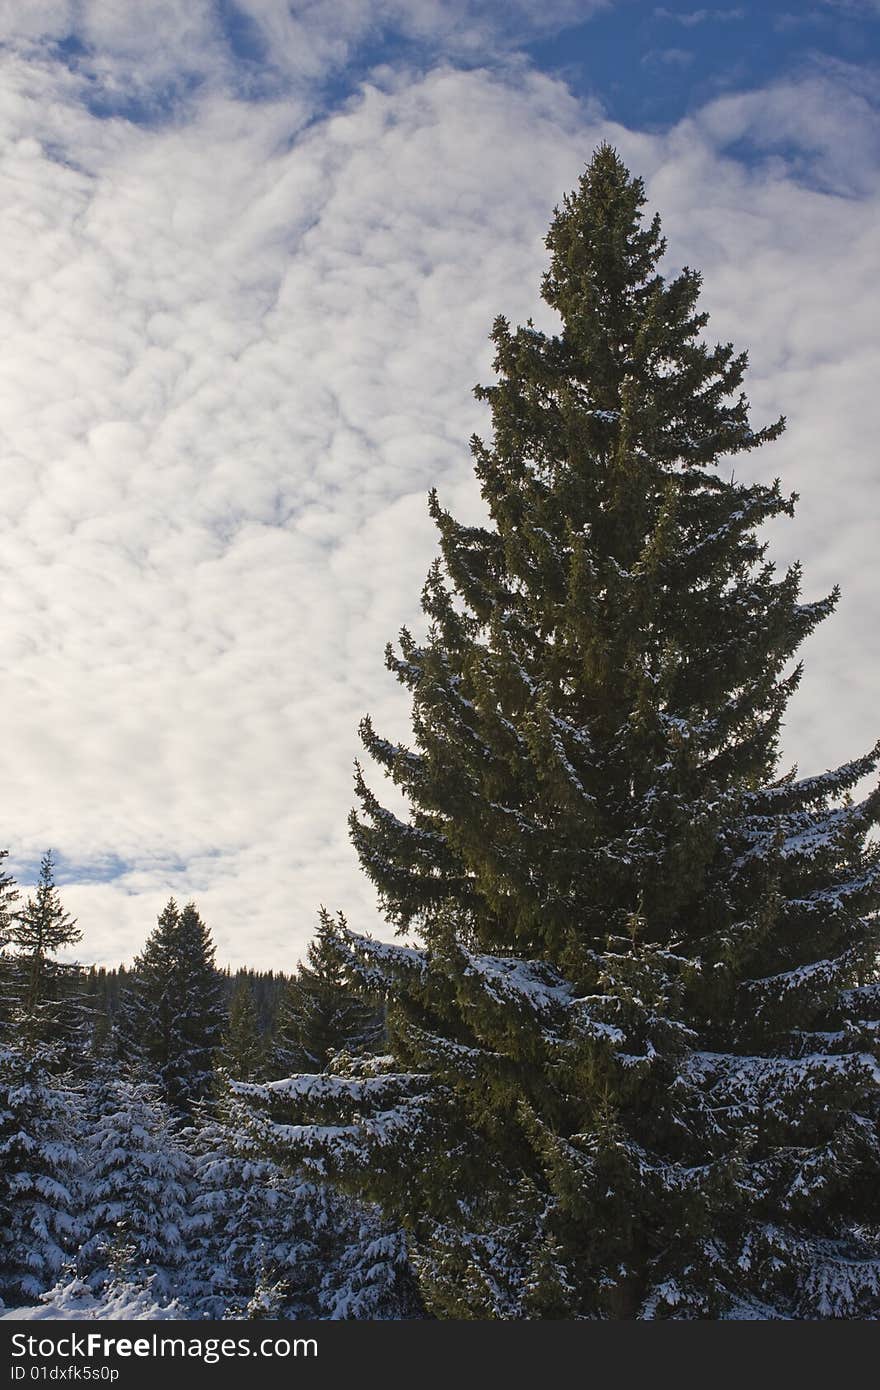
(74, 1300)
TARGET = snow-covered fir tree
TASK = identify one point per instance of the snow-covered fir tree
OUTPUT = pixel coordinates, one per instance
(253, 1243)
(320, 1015)
(172, 1016)
(633, 1053)
(135, 1190)
(39, 1172)
(298, 1247)
(42, 1023)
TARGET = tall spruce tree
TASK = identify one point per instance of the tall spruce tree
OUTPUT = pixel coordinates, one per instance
(635, 1050)
(172, 1015)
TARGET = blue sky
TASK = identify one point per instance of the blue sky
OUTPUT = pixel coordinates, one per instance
(249, 256)
(654, 64)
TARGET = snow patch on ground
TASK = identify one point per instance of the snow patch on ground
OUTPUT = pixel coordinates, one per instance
(74, 1300)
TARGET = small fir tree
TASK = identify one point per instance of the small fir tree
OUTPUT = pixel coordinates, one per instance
(47, 1003)
(253, 1227)
(135, 1190)
(320, 1014)
(8, 899)
(40, 1125)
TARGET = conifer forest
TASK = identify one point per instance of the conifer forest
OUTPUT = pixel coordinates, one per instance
(622, 1061)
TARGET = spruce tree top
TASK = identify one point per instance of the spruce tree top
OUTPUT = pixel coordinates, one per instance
(42, 927)
(606, 661)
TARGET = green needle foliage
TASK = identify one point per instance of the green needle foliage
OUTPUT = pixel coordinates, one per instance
(320, 1015)
(634, 1052)
(244, 1053)
(46, 1005)
(172, 1017)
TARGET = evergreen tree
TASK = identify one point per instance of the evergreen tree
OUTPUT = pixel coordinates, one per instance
(39, 1170)
(201, 1025)
(135, 1190)
(635, 1048)
(102, 1000)
(8, 898)
(254, 1228)
(46, 1006)
(244, 1052)
(266, 988)
(320, 1014)
(366, 1272)
(172, 1014)
(278, 1245)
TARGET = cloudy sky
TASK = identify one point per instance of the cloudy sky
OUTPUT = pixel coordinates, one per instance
(250, 251)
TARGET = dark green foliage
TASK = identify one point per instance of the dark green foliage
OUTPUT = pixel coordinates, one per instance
(267, 988)
(106, 989)
(8, 898)
(320, 1015)
(44, 994)
(244, 1052)
(634, 1063)
(172, 1014)
(103, 991)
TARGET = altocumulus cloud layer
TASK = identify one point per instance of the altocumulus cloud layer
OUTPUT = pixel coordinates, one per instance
(240, 329)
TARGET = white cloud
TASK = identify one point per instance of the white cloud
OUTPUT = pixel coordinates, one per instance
(822, 15)
(669, 57)
(230, 382)
(238, 350)
(822, 127)
(690, 18)
(50, 19)
(153, 60)
(856, 7)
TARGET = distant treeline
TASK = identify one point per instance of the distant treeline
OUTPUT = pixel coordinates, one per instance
(106, 986)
